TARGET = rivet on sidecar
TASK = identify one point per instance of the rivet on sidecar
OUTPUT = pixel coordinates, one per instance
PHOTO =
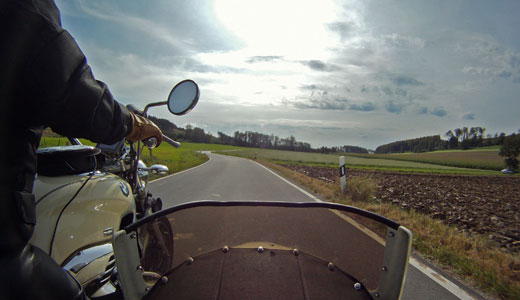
(189, 260)
(330, 266)
(296, 252)
(164, 279)
(260, 249)
(225, 249)
(377, 294)
(391, 234)
(133, 235)
(140, 268)
(357, 286)
(384, 269)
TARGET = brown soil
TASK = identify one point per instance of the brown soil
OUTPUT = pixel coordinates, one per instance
(489, 205)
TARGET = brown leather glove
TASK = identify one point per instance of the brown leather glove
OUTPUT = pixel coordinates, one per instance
(143, 128)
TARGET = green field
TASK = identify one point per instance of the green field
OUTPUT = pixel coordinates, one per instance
(176, 159)
(185, 157)
(484, 161)
(485, 158)
(353, 161)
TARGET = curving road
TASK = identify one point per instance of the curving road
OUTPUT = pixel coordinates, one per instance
(232, 178)
(225, 178)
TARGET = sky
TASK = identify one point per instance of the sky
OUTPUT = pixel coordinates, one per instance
(330, 73)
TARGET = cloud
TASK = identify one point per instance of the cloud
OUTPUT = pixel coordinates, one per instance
(488, 72)
(504, 74)
(342, 28)
(400, 41)
(406, 80)
(296, 123)
(313, 87)
(368, 106)
(128, 27)
(196, 66)
(394, 108)
(468, 116)
(323, 103)
(439, 112)
(387, 91)
(401, 92)
(514, 61)
(422, 110)
(319, 65)
(269, 58)
(487, 58)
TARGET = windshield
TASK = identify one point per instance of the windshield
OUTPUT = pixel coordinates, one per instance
(352, 242)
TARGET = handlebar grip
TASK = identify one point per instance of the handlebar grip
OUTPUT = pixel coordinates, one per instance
(171, 141)
(135, 110)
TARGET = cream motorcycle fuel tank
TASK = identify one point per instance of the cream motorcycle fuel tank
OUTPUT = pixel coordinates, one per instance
(75, 212)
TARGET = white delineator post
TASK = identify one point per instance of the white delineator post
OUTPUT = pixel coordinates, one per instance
(342, 174)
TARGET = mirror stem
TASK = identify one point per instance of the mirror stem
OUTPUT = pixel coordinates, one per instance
(152, 105)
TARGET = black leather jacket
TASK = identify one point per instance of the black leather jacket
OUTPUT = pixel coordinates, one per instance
(44, 82)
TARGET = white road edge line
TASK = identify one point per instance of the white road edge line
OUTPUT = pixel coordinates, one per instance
(441, 280)
(436, 277)
(181, 171)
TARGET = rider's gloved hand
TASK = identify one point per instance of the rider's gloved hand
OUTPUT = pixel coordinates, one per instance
(143, 128)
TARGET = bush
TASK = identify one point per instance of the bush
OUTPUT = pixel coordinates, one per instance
(361, 189)
(511, 149)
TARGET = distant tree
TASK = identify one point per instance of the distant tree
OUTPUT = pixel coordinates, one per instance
(510, 150)
(449, 134)
(465, 133)
(353, 149)
(452, 140)
(423, 144)
(453, 143)
(501, 138)
(458, 133)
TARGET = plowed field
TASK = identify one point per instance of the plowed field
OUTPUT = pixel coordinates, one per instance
(489, 205)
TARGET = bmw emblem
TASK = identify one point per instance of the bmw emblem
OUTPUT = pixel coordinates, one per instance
(124, 189)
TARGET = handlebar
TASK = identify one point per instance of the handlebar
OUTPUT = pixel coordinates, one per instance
(171, 141)
(135, 110)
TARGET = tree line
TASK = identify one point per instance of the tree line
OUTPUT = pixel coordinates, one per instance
(460, 138)
(422, 144)
(245, 139)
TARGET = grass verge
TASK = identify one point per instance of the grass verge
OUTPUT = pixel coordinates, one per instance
(175, 159)
(470, 256)
(185, 157)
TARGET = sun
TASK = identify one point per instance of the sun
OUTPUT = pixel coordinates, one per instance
(292, 28)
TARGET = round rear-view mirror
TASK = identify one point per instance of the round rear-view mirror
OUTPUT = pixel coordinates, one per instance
(183, 97)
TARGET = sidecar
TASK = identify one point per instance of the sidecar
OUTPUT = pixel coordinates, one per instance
(263, 250)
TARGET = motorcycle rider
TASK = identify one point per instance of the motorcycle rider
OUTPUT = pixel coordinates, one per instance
(45, 81)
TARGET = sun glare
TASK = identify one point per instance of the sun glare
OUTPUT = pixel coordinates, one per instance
(291, 28)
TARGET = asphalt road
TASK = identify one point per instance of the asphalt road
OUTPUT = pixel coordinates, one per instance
(230, 178)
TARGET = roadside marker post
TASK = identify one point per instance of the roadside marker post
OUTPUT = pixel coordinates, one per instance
(342, 174)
